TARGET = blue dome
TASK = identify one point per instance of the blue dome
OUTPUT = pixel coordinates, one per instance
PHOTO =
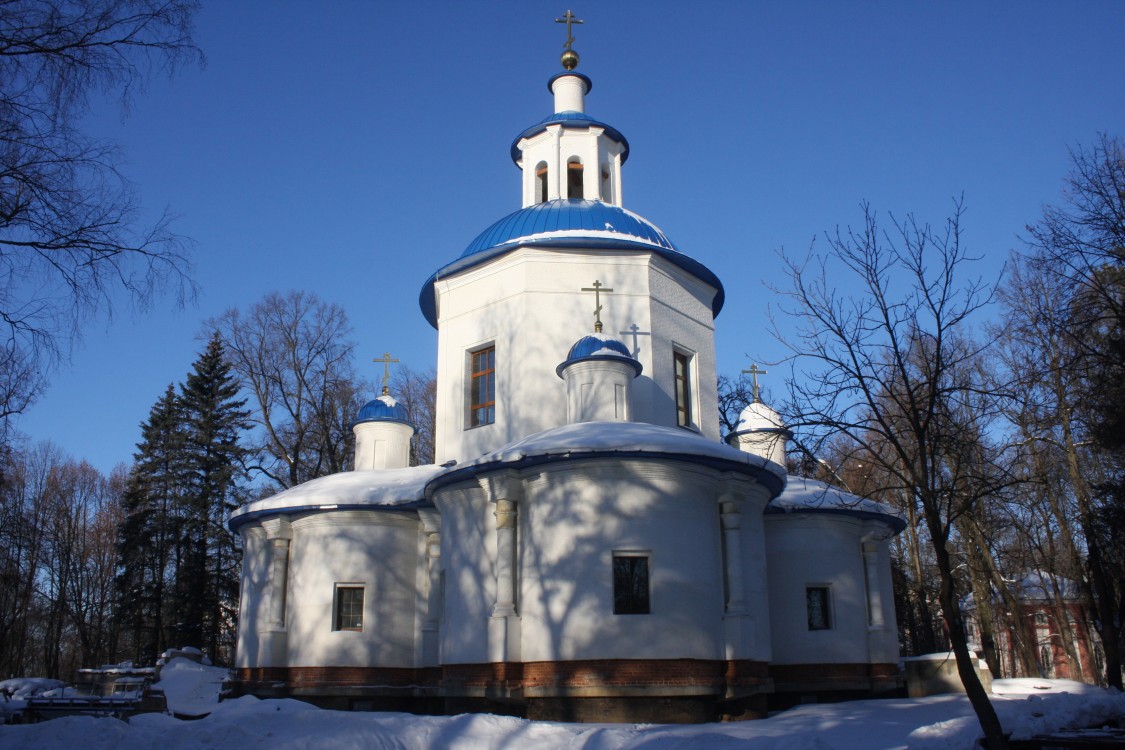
(383, 409)
(590, 220)
(597, 346)
(569, 223)
(570, 119)
(587, 345)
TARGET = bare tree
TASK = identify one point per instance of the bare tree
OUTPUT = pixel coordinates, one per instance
(1081, 245)
(417, 392)
(1066, 307)
(893, 369)
(71, 238)
(292, 354)
(57, 531)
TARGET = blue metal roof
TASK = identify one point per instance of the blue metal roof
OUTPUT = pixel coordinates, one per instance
(569, 119)
(597, 346)
(587, 345)
(569, 215)
(569, 223)
(379, 410)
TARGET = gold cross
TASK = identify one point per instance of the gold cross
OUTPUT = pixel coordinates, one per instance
(597, 289)
(568, 19)
(386, 359)
(754, 372)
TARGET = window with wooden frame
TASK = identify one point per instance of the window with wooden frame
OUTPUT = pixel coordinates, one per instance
(631, 583)
(482, 386)
(349, 607)
(541, 182)
(818, 604)
(682, 386)
(574, 173)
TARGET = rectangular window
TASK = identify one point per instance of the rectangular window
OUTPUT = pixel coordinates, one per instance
(682, 365)
(819, 607)
(482, 387)
(630, 584)
(349, 608)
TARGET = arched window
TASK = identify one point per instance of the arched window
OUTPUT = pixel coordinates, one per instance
(574, 179)
(541, 182)
(606, 196)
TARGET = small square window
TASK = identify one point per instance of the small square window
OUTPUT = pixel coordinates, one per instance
(482, 387)
(630, 584)
(349, 608)
(819, 606)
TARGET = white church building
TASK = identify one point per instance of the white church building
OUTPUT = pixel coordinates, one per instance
(585, 547)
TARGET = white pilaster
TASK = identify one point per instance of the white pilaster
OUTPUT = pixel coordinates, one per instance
(503, 491)
(273, 641)
(431, 624)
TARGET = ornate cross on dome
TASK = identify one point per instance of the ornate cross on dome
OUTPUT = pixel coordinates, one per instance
(386, 359)
(754, 372)
(568, 18)
(597, 289)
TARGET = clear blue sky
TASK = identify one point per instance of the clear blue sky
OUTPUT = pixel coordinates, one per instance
(352, 148)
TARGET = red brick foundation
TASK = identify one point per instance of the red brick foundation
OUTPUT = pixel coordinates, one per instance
(587, 690)
(797, 683)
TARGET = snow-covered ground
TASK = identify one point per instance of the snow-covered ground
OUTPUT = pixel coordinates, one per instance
(1026, 707)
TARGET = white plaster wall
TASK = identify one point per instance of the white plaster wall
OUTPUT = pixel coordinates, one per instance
(598, 390)
(766, 444)
(681, 316)
(378, 549)
(555, 146)
(757, 643)
(468, 557)
(530, 304)
(573, 518)
(883, 641)
(382, 445)
(810, 550)
(253, 606)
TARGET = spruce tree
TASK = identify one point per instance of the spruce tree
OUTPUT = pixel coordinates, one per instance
(214, 420)
(178, 564)
(148, 540)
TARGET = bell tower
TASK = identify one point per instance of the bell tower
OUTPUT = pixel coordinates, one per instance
(570, 155)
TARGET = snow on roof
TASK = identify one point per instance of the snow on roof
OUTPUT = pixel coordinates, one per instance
(382, 487)
(622, 437)
(1040, 585)
(758, 416)
(802, 495)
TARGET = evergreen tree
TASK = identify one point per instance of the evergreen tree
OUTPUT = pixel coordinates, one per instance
(214, 418)
(148, 540)
(178, 570)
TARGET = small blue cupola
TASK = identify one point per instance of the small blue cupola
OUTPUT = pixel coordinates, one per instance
(383, 409)
(598, 371)
(382, 434)
(598, 347)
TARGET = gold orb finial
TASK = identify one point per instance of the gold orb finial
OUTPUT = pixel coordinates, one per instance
(569, 57)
